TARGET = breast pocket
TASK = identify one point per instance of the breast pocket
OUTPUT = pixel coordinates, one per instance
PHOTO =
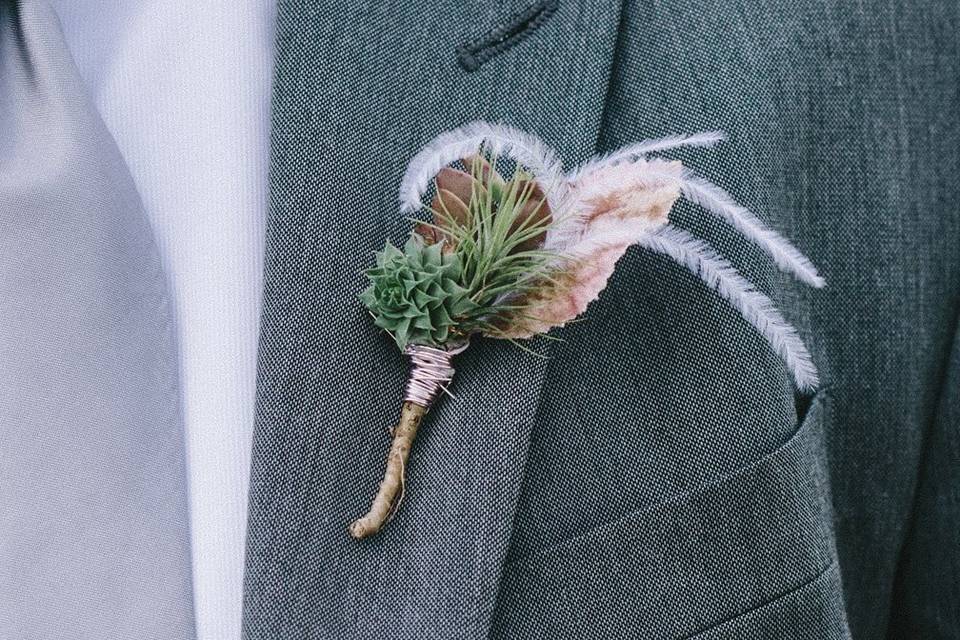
(749, 555)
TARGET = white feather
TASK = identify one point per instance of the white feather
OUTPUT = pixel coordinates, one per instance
(756, 308)
(450, 146)
(718, 202)
(640, 149)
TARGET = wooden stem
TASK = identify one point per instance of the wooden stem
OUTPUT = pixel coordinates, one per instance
(392, 484)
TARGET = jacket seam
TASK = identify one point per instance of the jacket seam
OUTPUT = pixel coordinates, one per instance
(952, 347)
(765, 603)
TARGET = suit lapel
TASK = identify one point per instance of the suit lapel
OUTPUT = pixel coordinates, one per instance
(359, 88)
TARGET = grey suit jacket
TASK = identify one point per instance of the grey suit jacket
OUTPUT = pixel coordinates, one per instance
(657, 477)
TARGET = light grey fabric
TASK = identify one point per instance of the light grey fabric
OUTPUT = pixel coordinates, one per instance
(93, 514)
(193, 127)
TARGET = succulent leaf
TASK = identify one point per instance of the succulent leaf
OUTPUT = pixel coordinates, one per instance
(414, 293)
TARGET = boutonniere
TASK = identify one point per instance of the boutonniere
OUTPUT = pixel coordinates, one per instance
(514, 246)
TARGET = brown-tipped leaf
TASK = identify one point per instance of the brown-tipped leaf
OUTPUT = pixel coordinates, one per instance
(535, 213)
(456, 182)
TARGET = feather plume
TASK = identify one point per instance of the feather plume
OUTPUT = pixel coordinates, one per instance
(450, 146)
(612, 211)
(756, 308)
(718, 202)
(635, 190)
(640, 149)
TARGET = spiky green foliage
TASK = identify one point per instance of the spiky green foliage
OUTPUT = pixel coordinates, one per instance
(499, 245)
(470, 270)
(416, 295)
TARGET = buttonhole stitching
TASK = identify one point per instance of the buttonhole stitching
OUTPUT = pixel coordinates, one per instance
(516, 28)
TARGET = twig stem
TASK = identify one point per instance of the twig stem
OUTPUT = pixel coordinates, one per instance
(392, 483)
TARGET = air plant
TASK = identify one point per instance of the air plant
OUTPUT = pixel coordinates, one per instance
(513, 257)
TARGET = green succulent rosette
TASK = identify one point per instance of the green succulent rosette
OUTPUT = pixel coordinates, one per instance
(415, 293)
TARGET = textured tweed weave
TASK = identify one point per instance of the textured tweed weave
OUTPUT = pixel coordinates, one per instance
(656, 477)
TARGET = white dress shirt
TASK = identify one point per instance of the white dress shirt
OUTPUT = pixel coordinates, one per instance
(184, 87)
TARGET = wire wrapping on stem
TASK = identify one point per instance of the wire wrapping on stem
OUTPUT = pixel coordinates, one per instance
(431, 369)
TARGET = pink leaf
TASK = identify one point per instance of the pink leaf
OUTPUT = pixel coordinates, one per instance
(612, 208)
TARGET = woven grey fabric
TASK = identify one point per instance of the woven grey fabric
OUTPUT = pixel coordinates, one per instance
(347, 116)
(657, 477)
(843, 132)
(93, 512)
